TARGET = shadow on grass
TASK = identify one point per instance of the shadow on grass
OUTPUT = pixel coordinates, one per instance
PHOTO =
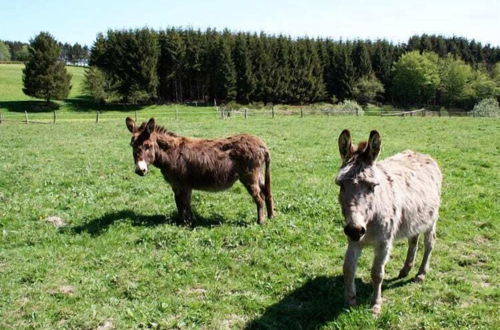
(85, 104)
(319, 301)
(30, 106)
(316, 303)
(99, 225)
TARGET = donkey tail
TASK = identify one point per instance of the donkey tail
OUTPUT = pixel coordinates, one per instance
(267, 185)
(267, 173)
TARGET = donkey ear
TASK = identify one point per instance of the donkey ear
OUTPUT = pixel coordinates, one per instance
(150, 127)
(373, 148)
(345, 145)
(130, 124)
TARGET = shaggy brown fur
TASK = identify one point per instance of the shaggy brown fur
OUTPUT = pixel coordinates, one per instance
(204, 164)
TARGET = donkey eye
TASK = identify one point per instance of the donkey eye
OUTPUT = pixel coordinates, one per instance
(146, 147)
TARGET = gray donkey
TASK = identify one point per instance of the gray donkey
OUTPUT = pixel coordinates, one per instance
(384, 201)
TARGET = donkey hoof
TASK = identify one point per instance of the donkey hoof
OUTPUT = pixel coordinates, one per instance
(419, 278)
(376, 309)
(403, 273)
(351, 302)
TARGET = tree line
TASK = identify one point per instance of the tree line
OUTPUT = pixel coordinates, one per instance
(183, 65)
(75, 54)
(175, 65)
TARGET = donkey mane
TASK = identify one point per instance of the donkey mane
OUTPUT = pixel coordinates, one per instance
(158, 129)
(361, 146)
(162, 130)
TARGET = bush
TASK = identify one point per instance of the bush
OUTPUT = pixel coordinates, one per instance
(484, 87)
(487, 108)
(4, 52)
(456, 80)
(349, 107)
(415, 78)
(95, 85)
(367, 88)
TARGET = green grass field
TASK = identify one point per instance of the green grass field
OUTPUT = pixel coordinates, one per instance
(121, 259)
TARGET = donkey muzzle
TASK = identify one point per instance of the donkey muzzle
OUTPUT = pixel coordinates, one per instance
(141, 168)
(140, 171)
(354, 232)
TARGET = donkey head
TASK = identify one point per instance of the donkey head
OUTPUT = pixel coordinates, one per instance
(357, 179)
(143, 144)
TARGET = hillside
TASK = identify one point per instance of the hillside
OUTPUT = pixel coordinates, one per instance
(11, 83)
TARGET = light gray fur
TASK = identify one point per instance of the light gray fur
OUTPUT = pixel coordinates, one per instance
(384, 201)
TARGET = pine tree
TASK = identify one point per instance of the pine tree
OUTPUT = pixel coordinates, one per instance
(193, 65)
(45, 75)
(361, 59)
(382, 60)
(171, 68)
(261, 63)
(98, 52)
(224, 76)
(245, 79)
(342, 71)
(282, 73)
(132, 58)
(315, 89)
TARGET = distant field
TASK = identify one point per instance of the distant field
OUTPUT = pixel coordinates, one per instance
(13, 102)
(11, 82)
(121, 259)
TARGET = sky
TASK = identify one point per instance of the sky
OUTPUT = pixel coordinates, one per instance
(80, 21)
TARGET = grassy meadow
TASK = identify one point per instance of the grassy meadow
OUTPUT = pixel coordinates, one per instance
(120, 260)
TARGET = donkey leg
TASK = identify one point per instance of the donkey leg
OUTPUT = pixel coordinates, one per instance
(350, 262)
(268, 198)
(378, 268)
(253, 188)
(183, 202)
(429, 240)
(410, 256)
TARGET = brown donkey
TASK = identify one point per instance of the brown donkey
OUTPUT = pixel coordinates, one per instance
(204, 164)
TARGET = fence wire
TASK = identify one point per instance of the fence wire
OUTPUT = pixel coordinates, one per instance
(219, 113)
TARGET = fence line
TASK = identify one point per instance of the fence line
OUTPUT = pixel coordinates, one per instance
(405, 113)
(220, 112)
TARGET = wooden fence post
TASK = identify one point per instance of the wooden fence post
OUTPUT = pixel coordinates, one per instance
(97, 117)
(176, 113)
(1, 117)
(26, 116)
(221, 113)
(245, 113)
(54, 118)
(301, 112)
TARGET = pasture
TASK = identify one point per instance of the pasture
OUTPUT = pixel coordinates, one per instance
(121, 260)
